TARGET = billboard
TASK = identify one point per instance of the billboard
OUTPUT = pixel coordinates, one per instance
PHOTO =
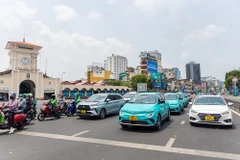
(152, 66)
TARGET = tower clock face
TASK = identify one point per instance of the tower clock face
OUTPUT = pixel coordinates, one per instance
(25, 61)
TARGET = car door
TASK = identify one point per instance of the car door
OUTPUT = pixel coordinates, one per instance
(109, 106)
(164, 105)
(161, 106)
(120, 102)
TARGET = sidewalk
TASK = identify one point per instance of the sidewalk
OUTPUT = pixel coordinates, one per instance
(233, 98)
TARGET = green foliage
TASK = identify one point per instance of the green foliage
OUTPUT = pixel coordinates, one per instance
(140, 78)
(119, 83)
(229, 76)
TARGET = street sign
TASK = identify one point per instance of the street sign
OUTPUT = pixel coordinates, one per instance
(156, 76)
(142, 87)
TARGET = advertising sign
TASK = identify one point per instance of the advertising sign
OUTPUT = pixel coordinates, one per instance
(162, 85)
(142, 87)
(152, 67)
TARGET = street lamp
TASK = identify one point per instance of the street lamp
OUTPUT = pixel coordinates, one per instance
(62, 76)
(61, 81)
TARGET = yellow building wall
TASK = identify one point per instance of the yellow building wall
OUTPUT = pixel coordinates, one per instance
(94, 77)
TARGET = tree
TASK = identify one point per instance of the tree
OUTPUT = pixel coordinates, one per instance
(229, 76)
(140, 78)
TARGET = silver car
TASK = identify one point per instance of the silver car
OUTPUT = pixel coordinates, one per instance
(100, 105)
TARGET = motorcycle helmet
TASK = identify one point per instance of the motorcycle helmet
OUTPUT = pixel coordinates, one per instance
(53, 96)
(14, 94)
(20, 95)
(76, 95)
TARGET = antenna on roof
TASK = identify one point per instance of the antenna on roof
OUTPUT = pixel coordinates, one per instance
(24, 35)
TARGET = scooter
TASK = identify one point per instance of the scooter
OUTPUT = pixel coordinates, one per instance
(71, 109)
(46, 112)
(19, 120)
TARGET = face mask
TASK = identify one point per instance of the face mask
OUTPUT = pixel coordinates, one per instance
(11, 97)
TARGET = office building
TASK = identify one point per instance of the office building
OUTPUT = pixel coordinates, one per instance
(116, 64)
(193, 72)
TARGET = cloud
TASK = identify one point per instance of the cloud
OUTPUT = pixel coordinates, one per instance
(73, 52)
(12, 14)
(111, 1)
(64, 13)
(94, 15)
(208, 32)
(151, 5)
(184, 54)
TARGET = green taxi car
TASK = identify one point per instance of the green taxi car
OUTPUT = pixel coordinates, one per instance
(146, 110)
(175, 102)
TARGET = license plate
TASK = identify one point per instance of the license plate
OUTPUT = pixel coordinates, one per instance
(133, 118)
(209, 118)
(83, 111)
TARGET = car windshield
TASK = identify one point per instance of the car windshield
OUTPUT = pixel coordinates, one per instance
(209, 101)
(144, 98)
(129, 95)
(171, 96)
(96, 98)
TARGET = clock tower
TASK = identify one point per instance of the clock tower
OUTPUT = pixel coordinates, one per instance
(23, 55)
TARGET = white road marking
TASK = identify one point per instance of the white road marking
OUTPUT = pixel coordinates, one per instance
(170, 142)
(235, 112)
(201, 153)
(183, 122)
(78, 134)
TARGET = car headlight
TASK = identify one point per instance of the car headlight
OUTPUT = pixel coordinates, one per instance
(226, 112)
(193, 111)
(121, 113)
(93, 106)
(150, 114)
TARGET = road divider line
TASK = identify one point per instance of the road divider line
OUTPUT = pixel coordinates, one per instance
(186, 151)
(78, 134)
(183, 122)
(235, 112)
(170, 142)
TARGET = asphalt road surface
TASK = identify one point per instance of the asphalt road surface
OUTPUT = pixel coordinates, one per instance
(93, 139)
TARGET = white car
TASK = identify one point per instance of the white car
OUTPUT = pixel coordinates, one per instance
(210, 109)
(128, 96)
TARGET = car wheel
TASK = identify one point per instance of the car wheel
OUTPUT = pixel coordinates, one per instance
(180, 111)
(191, 123)
(169, 116)
(124, 126)
(102, 114)
(158, 125)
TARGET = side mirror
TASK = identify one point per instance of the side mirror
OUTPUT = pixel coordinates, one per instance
(161, 101)
(107, 100)
(190, 103)
(230, 104)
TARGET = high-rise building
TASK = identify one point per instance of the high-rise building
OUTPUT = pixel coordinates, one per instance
(193, 72)
(116, 64)
(155, 56)
(172, 73)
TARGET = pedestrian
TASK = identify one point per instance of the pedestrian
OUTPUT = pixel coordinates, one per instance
(61, 100)
(12, 107)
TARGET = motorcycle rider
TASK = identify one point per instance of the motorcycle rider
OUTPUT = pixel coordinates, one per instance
(22, 104)
(29, 101)
(77, 99)
(61, 101)
(12, 107)
(53, 102)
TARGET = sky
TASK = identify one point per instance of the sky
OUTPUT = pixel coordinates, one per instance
(76, 33)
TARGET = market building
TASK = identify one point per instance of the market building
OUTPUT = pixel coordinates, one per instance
(23, 76)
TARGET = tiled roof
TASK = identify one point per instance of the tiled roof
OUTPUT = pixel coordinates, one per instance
(25, 43)
(6, 72)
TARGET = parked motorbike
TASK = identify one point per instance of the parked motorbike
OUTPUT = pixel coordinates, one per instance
(19, 120)
(64, 108)
(71, 109)
(46, 112)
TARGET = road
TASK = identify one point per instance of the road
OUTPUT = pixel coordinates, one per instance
(93, 139)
